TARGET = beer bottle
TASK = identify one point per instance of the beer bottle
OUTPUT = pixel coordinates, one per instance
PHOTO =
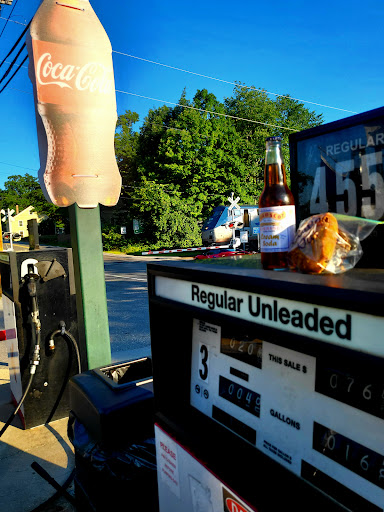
(276, 210)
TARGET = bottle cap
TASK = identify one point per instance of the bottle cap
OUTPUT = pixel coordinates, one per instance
(270, 139)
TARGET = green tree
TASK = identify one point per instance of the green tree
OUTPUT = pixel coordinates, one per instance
(187, 159)
(126, 140)
(24, 190)
(168, 219)
(267, 117)
(195, 150)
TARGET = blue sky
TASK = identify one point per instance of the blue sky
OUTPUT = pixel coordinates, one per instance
(327, 54)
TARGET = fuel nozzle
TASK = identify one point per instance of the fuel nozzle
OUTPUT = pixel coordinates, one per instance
(61, 330)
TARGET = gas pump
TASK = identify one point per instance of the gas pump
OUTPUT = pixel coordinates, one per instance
(268, 389)
(44, 349)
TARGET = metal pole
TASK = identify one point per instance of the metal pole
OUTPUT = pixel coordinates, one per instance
(91, 294)
(10, 229)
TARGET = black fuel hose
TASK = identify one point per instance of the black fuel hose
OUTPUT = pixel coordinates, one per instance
(36, 339)
(63, 332)
(12, 416)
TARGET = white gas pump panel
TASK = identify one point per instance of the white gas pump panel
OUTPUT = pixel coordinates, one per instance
(315, 417)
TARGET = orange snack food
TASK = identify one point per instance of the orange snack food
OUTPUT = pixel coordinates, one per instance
(314, 244)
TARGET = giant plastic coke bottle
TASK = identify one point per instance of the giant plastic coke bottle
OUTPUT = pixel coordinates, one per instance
(72, 73)
(276, 210)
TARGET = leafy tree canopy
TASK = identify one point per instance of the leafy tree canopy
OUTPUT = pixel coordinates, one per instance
(188, 159)
(24, 190)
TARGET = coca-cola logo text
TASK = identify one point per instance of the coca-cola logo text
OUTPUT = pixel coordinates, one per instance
(92, 77)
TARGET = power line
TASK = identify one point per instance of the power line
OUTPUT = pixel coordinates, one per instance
(7, 62)
(18, 68)
(177, 105)
(15, 59)
(21, 90)
(209, 111)
(12, 21)
(20, 167)
(14, 46)
(10, 14)
(13, 63)
(230, 83)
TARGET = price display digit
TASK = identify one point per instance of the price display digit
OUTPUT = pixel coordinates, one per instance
(243, 349)
(239, 395)
(338, 187)
(350, 454)
(363, 390)
(203, 362)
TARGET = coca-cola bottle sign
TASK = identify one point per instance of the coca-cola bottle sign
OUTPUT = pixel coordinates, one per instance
(61, 67)
(72, 73)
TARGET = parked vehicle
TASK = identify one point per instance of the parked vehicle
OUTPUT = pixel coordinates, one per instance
(218, 228)
(16, 237)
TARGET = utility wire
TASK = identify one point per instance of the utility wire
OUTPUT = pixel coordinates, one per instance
(18, 69)
(12, 21)
(7, 19)
(13, 63)
(7, 62)
(20, 166)
(230, 83)
(209, 111)
(17, 42)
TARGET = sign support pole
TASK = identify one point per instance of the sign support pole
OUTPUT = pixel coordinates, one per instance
(91, 297)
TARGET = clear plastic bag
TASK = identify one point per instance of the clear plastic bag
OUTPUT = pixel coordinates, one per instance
(329, 243)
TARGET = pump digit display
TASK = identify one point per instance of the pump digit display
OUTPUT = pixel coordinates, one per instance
(296, 408)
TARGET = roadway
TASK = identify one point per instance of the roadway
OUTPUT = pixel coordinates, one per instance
(127, 302)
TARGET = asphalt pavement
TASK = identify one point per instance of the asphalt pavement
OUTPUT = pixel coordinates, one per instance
(21, 488)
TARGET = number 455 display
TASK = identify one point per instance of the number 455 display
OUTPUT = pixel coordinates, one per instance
(338, 167)
(350, 188)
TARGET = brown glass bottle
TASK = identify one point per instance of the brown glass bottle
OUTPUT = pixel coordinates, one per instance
(276, 210)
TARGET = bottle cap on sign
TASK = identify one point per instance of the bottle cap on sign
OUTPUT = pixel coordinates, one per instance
(270, 139)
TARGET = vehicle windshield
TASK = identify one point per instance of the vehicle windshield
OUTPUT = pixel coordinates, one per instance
(213, 219)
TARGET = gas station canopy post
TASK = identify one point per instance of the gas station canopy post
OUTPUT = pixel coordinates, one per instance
(90, 283)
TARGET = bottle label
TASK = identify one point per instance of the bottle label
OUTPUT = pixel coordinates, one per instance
(277, 228)
(68, 75)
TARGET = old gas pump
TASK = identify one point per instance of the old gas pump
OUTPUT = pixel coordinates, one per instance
(269, 385)
(268, 389)
(44, 349)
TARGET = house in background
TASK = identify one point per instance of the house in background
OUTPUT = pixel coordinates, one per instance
(19, 222)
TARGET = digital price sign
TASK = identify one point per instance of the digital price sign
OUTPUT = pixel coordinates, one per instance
(338, 167)
(304, 411)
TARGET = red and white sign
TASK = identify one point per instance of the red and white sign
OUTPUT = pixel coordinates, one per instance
(186, 485)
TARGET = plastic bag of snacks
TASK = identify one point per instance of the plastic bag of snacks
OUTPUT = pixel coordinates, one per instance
(329, 243)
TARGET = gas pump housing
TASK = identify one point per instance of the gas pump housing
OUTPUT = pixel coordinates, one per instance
(47, 398)
(271, 383)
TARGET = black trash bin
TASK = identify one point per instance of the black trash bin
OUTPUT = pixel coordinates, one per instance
(111, 427)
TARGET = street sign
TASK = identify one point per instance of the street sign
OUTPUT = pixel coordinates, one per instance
(137, 226)
(244, 237)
